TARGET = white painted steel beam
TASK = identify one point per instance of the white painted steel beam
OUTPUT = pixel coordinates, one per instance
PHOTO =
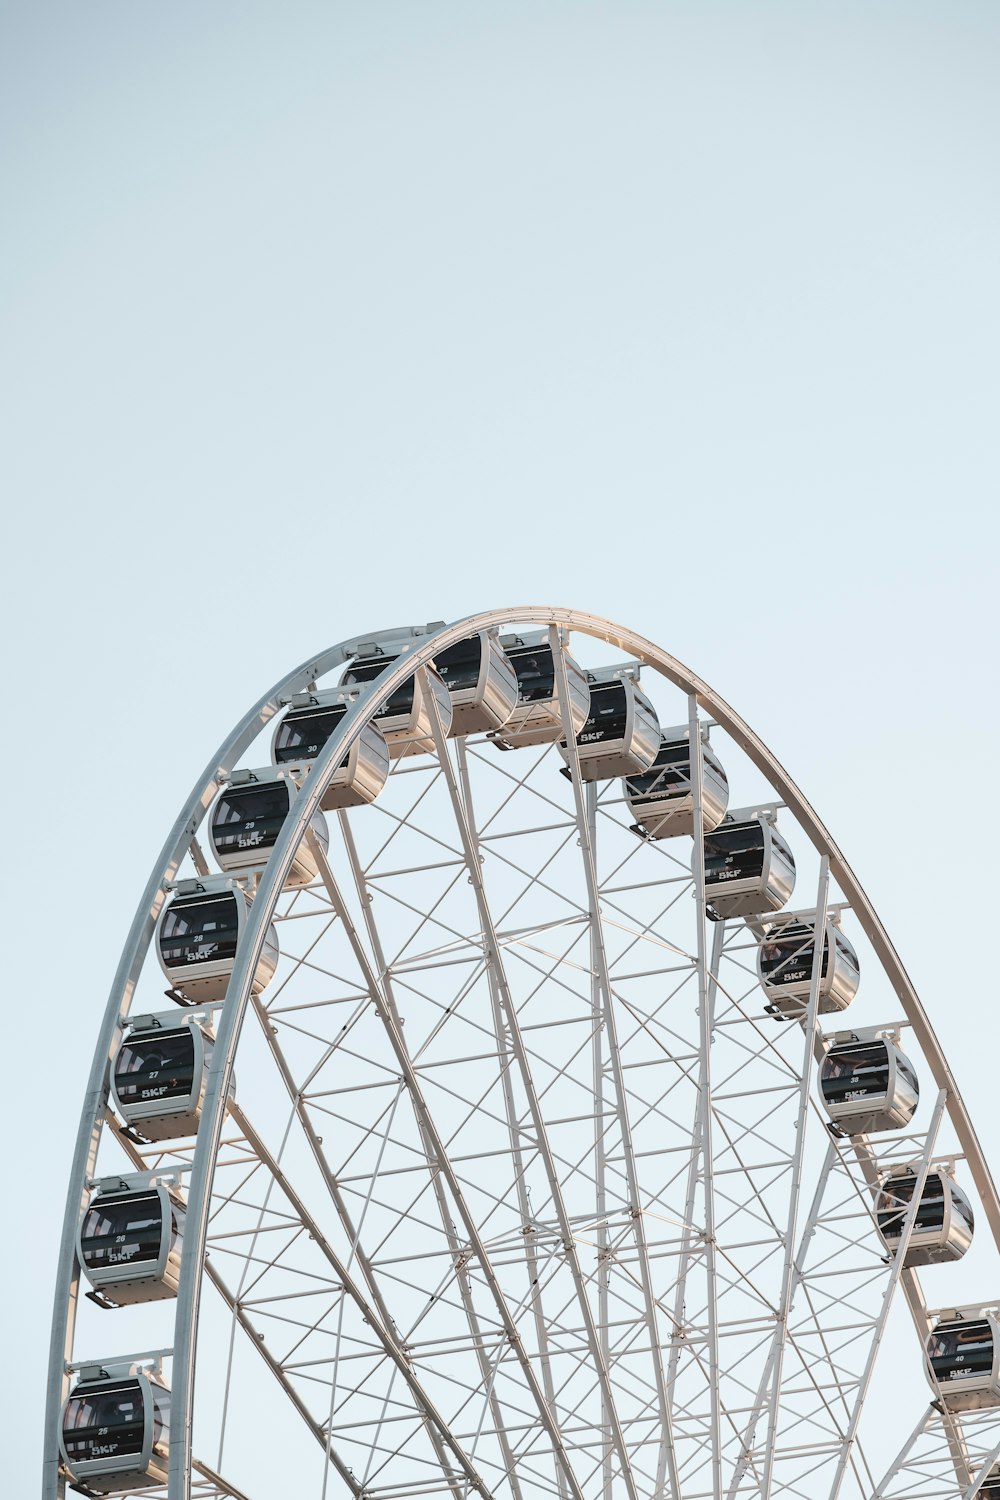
(420, 649)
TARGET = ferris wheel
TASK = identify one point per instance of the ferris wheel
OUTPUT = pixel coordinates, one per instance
(536, 1107)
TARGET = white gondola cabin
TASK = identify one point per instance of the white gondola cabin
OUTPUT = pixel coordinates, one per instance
(159, 1073)
(990, 1487)
(661, 799)
(406, 716)
(537, 718)
(944, 1224)
(197, 937)
(116, 1430)
(963, 1359)
(305, 729)
(481, 681)
(129, 1243)
(785, 958)
(621, 733)
(246, 819)
(749, 869)
(867, 1084)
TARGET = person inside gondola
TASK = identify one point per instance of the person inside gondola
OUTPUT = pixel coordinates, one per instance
(153, 1067)
(535, 676)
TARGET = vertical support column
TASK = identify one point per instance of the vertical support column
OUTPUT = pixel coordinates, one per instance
(705, 983)
(507, 1065)
(809, 1028)
(667, 1466)
(439, 1156)
(689, 1232)
(456, 1246)
(600, 1166)
(494, 959)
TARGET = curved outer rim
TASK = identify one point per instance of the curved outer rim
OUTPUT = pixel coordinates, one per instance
(425, 646)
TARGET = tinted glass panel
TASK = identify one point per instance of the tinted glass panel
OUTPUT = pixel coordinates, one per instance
(161, 1415)
(668, 776)
(787, 957)
(712, 760)
(107, 1422)
(845, 950)
(536, 677)
(249, 818)
(160, 1066)
(366, 669)
(894, 1202)
(905, 1070)
(198, 931)
(305, 731)
(961, 1206)
(734, 852)
(860, 1072)
(608, 714)
(122, 1231)
(961, 1351)
(459, 664)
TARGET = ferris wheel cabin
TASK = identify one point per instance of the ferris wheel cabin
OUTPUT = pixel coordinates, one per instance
(115, 1431)
(785, 960)
(963, 1359)
(944, 1224)
(197, 938)
(248, 816)
(481, 681)
(305, 729)
(158, 1076)
(621, 733)
(405, 717)
(129, 1244)
(661, 799)
(868, 1085)
(537, 717)
(749, 869)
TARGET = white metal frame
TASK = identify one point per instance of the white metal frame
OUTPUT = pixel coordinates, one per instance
(692, 1346)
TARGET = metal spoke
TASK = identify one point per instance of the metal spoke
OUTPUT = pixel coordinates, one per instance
(636, 1206)
(494, 960)
(455, 1245)
(443, 1163)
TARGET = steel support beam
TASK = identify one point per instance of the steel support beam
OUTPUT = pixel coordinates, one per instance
(441, 1158)
(419, 647)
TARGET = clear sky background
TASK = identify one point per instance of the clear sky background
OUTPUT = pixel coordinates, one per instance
(320, 317)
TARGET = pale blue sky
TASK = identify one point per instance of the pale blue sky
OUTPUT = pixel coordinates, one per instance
(321, 317)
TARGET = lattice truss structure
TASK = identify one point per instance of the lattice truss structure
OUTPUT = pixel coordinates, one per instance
(522, 1193)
